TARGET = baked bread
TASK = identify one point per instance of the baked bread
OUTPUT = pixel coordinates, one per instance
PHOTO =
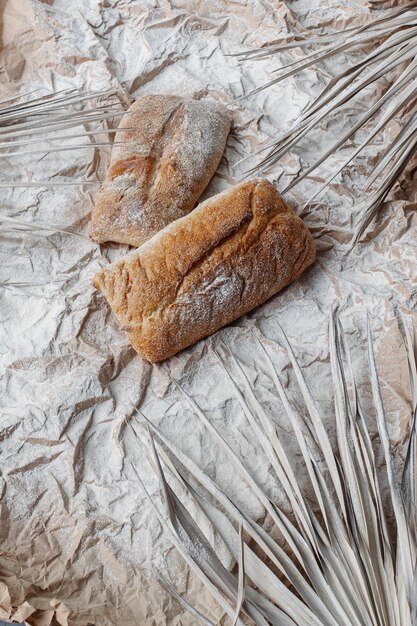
(174, 147)
(233, 252)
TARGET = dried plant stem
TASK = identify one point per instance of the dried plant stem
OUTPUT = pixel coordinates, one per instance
(394, 35)
(345, 569)
(43, 118)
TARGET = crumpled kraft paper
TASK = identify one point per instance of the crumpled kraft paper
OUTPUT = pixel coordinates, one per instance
(79, 541)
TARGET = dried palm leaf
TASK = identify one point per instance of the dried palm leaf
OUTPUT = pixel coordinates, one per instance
(392, 59)
(27, 122)
(10, 223)
(346, 568)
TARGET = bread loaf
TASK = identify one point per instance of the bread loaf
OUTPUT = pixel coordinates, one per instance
(174, 147)
(229, 255)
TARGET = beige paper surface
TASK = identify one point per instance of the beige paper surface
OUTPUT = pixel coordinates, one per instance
(79, 542)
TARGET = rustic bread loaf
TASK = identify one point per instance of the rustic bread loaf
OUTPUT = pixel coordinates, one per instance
(229, 255)
(174, 147)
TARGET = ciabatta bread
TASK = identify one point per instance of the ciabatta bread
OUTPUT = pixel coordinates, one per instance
(229, 255)
(174, 147)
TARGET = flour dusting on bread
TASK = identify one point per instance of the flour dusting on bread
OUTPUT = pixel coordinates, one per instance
(229, 255)
(171, 152)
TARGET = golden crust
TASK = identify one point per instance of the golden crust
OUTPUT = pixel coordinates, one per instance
(172, 151)
(229, 255)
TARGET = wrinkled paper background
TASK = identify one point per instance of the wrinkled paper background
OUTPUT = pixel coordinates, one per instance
(79, 540)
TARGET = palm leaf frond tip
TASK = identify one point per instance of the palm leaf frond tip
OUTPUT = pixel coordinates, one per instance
(48, 118)
(353, 553)
(392, 59)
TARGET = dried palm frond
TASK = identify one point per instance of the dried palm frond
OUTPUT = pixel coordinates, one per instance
(392, 61)
(25, 123)
(350, 559)
(12, 224)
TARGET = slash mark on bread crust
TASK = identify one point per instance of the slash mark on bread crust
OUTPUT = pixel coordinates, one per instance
(138, 165)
